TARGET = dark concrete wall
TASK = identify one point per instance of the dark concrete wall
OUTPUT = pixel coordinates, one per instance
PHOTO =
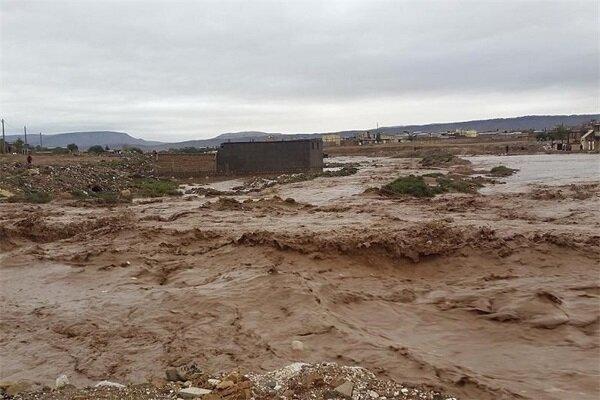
(239, 158)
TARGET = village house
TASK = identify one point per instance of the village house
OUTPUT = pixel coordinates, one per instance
(590, 141)
(331, 139)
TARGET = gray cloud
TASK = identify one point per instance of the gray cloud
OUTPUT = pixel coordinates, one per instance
(176, 70)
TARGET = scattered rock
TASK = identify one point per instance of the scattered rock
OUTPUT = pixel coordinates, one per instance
(345, 389)
(271, 384)
(213, 382)
(193, 392)
(174, 375)
(61, 381)
(373, 394)
(109, 384)
(225, 384)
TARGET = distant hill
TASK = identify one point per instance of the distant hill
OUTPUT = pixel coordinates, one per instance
(499, 124)
(83, 140)
(119, 139)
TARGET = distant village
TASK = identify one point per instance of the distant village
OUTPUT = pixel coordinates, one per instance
(584, 137)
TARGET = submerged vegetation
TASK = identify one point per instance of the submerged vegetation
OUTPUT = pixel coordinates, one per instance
(30, 196)
(429, 185)
(105, 198)
(346, 170)
(442, 158)
(149, 187)
(501, 170)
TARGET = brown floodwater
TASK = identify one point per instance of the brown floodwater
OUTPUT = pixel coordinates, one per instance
(487, 296)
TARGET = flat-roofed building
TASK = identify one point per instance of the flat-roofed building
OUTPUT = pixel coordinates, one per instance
(244, 158)
(332, 139)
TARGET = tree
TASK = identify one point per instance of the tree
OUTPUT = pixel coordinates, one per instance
(97, 149)
(72, 148)
(559, 133)
(18, 144)
(133, 150)
(60, 150)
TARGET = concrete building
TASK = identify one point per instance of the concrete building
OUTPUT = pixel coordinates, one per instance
(384, 138)
(468, 133)
(243, 158)
(331, 139)
(590, 141)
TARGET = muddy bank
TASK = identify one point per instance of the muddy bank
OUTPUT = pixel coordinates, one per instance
(481, 296)
(294, 381)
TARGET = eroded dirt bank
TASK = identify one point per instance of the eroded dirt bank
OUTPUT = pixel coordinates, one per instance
(493, 296)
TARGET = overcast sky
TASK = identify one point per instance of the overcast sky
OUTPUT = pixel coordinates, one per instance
(193, 69)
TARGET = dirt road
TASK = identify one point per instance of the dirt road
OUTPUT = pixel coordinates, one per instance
(484, 296)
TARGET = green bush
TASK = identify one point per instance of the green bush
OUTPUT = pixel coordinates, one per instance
(97, 149)
(416, 186)
(107, 198)
(344, 171)
(441, 158)
(36, 197)
(156, 187)
(133, 150)
(501, 170)
(60, 150)
(99, 197)
(410, 185)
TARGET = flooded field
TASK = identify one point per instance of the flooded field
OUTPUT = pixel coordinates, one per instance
(482, 296)
(542, 169)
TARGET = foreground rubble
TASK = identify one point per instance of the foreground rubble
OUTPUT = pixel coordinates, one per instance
(295, 381)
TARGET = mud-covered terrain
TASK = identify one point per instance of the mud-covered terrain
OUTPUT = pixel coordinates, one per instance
(493, 296)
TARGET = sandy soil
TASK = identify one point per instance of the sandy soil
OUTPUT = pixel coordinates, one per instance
(484, 296)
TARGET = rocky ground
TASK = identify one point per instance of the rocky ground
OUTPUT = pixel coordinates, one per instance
(295, 381)
(72, 176)
(476, 296)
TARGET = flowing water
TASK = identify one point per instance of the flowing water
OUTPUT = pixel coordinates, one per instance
(541, 169)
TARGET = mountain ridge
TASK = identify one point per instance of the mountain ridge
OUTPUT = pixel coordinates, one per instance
(114, 139)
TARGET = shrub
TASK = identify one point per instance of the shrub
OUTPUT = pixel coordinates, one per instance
(99, 197)
(344, 171)
(60, 150)
(441, 158)
(36, 197)
(97, 149)
(133, 150)
(157, 187)
(410, 185)
(501, 170)
(416, 186)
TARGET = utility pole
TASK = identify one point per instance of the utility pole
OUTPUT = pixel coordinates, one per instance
(3, 138)
(25, 131)
(40, 140)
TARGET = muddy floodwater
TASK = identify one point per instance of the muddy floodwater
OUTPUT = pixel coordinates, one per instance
(485, 296)
(541, 169)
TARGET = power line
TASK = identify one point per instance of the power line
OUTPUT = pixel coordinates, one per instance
(3, 139)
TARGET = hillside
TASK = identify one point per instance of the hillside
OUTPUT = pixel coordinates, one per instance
(499, 124)
(83, 140)
(119, 139)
